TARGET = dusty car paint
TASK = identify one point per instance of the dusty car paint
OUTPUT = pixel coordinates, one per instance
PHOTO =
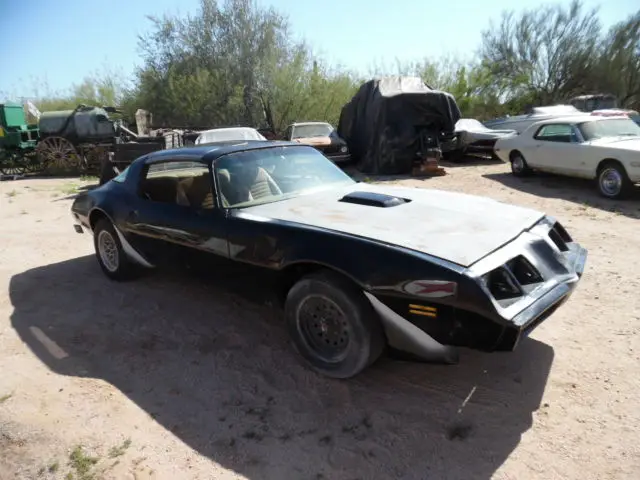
(436, 222)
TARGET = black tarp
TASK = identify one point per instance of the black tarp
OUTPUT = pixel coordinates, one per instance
(385, 120)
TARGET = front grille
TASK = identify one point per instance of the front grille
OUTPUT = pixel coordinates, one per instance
(560, 237)
(513, 279)
(525, 273)
(502, 284)
(562, 232)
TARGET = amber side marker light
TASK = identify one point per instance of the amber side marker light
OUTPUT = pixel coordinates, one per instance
(422, 310)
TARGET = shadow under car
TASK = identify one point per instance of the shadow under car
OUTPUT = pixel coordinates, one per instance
(215, 367)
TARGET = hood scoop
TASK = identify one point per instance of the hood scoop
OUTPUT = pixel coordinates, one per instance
(373, 199)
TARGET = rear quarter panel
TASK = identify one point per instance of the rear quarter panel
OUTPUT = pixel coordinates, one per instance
(110, 199)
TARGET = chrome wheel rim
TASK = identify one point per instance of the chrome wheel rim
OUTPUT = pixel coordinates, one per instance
(518, 164)
(611, 181)
(108, 251)
(324, 328)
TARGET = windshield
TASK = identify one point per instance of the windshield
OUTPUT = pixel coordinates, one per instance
(612, 127)
(273, 174)
(228, 134)
(315, 130)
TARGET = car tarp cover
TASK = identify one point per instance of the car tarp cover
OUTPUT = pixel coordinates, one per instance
(382, 123)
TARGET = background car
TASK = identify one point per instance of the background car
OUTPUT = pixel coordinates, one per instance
(359, 267)
(322, 136)
(228, 134)
(533, 114)
(589, 146)
(474, 137)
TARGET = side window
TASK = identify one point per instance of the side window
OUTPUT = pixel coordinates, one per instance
(559, 132)
(182, 183)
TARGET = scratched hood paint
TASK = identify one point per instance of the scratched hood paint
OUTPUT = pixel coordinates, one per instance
(453, 226)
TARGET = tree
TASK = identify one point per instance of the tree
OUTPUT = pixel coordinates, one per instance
(546, 53)
(619, 69)
(214, 64)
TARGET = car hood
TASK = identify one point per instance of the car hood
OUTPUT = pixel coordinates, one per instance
(321, 143)
(315, 141)
(622, 143)
(453, 226)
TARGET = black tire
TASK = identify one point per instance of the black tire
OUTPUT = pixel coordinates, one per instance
(613, 181)
(338, 347)
(105, 237)
(519, 166)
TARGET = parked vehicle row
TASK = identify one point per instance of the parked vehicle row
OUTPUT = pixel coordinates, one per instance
(361, 269)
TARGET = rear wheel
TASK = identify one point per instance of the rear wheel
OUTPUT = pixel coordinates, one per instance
(519, 165)
(332, 325)
(613, 181)
(112, 259)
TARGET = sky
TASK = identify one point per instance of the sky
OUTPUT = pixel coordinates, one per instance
(51, 44)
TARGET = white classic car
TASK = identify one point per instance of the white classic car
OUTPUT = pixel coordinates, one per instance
(229, 134)
(587, 146)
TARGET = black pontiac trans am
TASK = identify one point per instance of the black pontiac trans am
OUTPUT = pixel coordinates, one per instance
(360, 267)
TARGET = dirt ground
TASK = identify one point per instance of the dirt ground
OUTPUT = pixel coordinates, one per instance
(172, 378)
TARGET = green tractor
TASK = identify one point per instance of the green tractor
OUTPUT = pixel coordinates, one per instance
(18, 141)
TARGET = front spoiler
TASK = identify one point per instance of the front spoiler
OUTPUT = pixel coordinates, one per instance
(404, 336)
(340, 157)
(536, 313)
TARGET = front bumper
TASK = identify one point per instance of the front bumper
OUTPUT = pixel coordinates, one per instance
(474, 316)
(339, 157)
(549, 253)
(482, 146)
(530, 318)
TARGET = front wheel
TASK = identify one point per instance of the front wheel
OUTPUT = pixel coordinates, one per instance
(613, 181)
(519, 165)
(333, 326)
(111, 257)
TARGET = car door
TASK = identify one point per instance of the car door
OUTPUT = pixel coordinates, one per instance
(556, 149)
(176, 216)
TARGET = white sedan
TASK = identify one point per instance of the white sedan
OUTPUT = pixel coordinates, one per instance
(229, 134)
(592, 147)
